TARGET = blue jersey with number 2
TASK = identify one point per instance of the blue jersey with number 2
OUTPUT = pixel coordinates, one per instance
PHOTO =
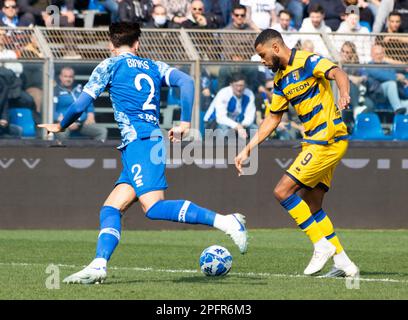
(134, 85)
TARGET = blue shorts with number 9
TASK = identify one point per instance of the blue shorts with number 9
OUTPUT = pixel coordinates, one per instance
(144, 165)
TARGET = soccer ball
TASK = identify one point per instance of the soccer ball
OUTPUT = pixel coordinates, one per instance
(215, 261)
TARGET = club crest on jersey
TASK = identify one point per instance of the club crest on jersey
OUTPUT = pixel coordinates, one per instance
(296, 75)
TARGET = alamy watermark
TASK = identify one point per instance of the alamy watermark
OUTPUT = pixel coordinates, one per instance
(52, 16)
(218, 149)
(353, 282)
(53, 280)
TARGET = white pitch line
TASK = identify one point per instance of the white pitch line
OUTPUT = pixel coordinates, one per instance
(240, 274)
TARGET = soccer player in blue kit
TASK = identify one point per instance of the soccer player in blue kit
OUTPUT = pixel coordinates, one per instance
(134, 85)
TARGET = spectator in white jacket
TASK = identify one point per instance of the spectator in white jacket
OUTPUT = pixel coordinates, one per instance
(315, 23)
(234, 108)
(261, 14)
(290, 35)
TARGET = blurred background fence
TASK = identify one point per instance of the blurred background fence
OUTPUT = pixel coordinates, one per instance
(38, 54)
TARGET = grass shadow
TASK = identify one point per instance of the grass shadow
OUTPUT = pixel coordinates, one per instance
(224, 280)
(117, 281)
(383, 273)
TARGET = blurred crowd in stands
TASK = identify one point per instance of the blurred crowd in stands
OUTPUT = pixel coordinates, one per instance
(214, 14)
(232, 96)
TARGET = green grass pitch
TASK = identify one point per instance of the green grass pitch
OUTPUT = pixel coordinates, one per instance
(164, 265)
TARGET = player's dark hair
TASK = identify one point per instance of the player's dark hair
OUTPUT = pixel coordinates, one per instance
(394, 13)
(317, 8)
(239, 7)
(285, 12)
(237, 76)
(124, 34)
(268, 35)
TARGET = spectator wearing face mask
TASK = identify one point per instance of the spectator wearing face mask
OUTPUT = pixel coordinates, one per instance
(159, 19)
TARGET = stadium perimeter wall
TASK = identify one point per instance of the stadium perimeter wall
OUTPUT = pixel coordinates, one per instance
(46, 187)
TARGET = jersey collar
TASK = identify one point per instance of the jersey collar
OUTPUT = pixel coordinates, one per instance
(124, 53)
(292, 57)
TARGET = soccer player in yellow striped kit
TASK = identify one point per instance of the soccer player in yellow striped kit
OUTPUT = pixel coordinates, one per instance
(302, 79)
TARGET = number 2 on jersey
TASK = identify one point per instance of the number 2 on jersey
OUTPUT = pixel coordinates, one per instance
(147, 105)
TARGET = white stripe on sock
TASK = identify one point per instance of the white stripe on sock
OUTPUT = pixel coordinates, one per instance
(183, 210)
(111, 231)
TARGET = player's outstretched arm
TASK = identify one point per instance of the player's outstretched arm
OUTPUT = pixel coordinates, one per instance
(185, 82)
(269, 124)
(343, 83)
(72, 114)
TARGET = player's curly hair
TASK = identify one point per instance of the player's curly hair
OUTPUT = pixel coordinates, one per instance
(124, 33)
(267, 35)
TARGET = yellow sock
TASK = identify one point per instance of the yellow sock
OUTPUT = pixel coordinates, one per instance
(300, 211)
(326, 226)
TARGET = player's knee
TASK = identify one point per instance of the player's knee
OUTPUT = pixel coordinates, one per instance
(147, 205)
(148, 200)
(151, 210)
(281, 193)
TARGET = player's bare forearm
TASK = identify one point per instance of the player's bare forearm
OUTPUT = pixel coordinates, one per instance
(51, 127)
(342, 80)
(269, 124)
(343, 83)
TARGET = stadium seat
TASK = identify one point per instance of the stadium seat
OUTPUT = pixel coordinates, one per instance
(23, 117)
(368, 127)
(96, 5)
(400, 127)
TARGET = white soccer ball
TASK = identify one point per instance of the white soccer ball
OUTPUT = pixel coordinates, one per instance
(215, 261)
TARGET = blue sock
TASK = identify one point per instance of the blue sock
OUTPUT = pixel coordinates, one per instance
(181, 211)
(109, 235)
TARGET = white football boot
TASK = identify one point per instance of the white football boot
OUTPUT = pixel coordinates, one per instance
(92, 274)
(350, 270)
(323, 251)
(237, 231)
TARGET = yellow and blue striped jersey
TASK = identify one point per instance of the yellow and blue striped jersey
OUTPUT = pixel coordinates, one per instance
(304, 85)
